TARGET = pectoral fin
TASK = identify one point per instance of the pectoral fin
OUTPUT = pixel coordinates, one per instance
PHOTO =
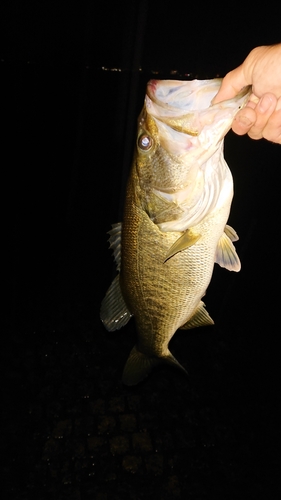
(201, 317)
(114, 313)
(188, 239)
(226, 255)
(231, 233)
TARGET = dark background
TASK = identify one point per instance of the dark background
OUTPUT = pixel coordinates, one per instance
(68, 132)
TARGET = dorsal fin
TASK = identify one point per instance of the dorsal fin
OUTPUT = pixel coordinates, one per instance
(115, 242)
(114, 313)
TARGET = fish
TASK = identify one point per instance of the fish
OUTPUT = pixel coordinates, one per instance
(174, 228)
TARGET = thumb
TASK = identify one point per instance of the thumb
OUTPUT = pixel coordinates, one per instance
(231, 85)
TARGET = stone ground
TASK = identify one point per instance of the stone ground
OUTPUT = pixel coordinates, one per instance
(72, 431)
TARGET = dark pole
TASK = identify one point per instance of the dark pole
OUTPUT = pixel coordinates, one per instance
(132, 57)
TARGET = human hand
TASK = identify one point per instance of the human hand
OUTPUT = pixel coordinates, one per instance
(261, 117)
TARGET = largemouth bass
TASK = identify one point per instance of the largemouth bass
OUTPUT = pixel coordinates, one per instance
(174, 226)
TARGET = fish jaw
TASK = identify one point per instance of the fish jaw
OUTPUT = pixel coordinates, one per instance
(187, 120)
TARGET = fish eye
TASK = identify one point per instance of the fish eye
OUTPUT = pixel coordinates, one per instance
(145, 142)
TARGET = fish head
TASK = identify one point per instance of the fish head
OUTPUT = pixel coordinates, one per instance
(179, 130)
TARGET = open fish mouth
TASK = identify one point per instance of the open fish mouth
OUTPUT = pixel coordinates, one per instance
(185, 107)
(176, 97)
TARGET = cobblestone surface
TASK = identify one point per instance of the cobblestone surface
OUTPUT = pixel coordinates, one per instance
(73, 431)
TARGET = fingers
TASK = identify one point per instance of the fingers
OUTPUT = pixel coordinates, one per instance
(262, 115)
(231, 85)
(272, 130)
(264, 109)
(243, 121)
(261, 69)
(260, 119)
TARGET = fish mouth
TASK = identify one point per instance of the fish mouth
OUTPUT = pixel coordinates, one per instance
(175, 98)
(181, 96)
(184, 109)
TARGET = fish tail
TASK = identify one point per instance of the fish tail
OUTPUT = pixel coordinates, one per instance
(139, 365)
(171, 360)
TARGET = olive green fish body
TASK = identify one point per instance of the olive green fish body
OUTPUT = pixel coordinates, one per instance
(163, 294)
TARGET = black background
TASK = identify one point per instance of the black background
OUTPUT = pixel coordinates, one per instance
(68, 133)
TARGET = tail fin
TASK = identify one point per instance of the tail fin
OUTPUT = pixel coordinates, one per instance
(171, 360)
(138, 366)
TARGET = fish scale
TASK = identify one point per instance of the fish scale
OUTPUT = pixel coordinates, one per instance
(182, 279)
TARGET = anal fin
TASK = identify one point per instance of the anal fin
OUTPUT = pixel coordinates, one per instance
(201, 317)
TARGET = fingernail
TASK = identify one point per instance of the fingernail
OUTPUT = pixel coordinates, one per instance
(244, 120)
(253, 98)
(264, 103)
